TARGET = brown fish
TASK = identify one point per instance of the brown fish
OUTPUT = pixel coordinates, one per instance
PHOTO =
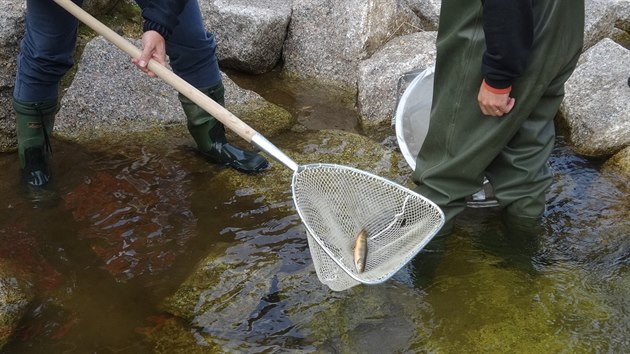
(360, 250)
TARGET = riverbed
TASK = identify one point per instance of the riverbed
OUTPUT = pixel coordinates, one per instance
(128, 223)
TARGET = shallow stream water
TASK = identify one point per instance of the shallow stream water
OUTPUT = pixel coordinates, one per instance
(133, 220)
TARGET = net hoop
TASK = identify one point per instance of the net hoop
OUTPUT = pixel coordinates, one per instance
(335, 202)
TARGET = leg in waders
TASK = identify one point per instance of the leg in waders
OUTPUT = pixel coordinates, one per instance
(463, 145)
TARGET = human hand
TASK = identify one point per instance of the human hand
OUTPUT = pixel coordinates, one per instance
(494, 102)
(153, 47)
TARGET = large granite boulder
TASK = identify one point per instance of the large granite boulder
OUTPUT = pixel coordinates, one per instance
(327, 40)
(378, 75)
(249, 33)
(596, 107)
(12, 24)
(110, 95)
(428, 11)
(599, 22)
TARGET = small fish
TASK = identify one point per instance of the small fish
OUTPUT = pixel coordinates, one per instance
(360, 250)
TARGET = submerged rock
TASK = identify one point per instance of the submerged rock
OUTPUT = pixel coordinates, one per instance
(619, 163)
(261, 291)
(15, 295)
(323, 146)
(24, 274)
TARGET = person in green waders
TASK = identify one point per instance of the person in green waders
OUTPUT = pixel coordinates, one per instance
(171, 27)
(499, 81)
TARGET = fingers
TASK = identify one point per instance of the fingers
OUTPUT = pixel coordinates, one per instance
(153, 47)
(500, 110)
(143, 61)
(494, 104)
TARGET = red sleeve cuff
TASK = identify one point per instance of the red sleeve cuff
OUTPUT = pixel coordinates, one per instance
(496, 90)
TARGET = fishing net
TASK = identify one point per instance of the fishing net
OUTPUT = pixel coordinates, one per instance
(336, 202)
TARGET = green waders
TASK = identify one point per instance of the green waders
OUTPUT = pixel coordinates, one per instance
(34, 121)
(463, 145)
(209, 134)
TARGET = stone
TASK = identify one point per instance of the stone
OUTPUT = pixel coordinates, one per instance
(599, 21)
(379, 75)
(249, 33)
(110, 96)
(327, 40)
(12, 24)
(596, 109)
(619, 163)
(428, 11)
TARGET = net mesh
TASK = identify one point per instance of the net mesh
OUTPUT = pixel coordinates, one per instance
(337, 202)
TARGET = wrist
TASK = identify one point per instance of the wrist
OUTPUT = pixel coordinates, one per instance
(498, 91)
(154, 26)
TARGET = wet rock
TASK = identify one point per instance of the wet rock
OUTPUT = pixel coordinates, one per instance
(24, 274)
(495, 317)
(15, 295)
(265, 117)
(327, 40)
(249, 33)
(135, 212)
(597, 238)
(378, 75)
(262, 292)
(169, 335)
(596, 107)
(323, 146)
(619, 163)
(263, 288)
(109, 95)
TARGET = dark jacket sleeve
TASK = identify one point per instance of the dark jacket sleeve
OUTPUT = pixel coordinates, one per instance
(509, 29)
(161, 15)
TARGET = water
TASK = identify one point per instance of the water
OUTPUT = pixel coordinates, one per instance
(110, 261)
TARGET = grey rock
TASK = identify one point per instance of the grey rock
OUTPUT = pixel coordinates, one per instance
(249, 33)
(407, 21)
(623, 15)
(596, 108)
(599, 22)
(328, 39)
(109, 95)
(378, 75)
(12, 24)
(428, 11)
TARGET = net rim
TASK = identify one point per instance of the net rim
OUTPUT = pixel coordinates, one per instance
(386, 181)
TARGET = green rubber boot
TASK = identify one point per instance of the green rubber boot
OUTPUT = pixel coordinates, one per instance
(34, 121)
(209, 134)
